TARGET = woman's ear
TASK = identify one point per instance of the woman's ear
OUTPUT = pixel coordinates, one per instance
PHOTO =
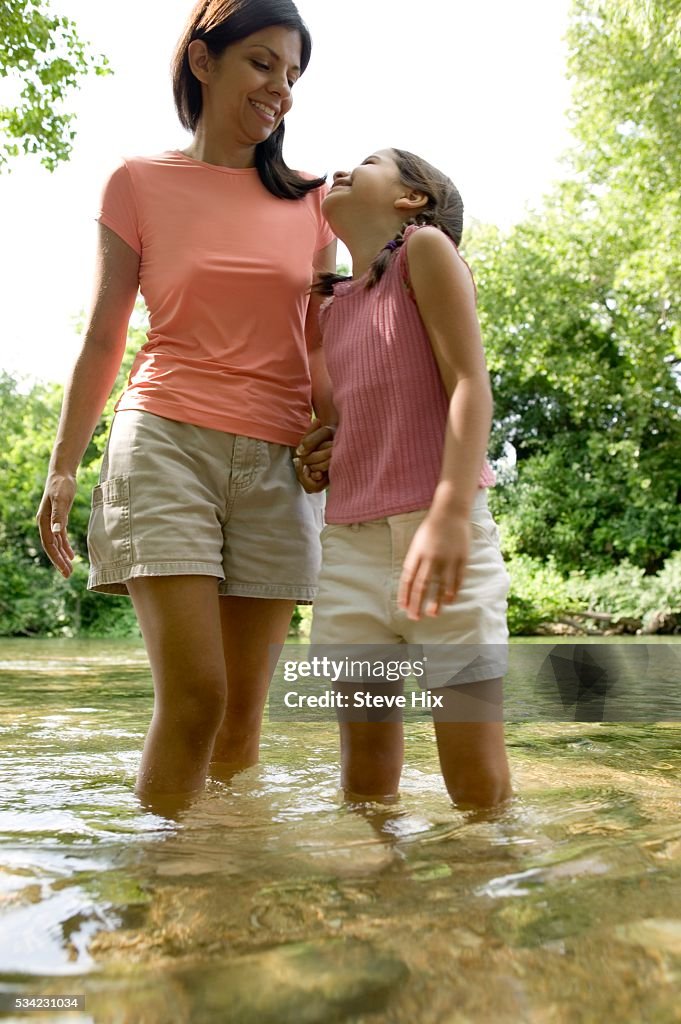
(413, 201)
(199, 59)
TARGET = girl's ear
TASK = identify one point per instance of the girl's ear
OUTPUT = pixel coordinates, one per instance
(199, 60)
(413, 201)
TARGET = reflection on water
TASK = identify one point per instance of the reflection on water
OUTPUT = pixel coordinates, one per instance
(271, 901)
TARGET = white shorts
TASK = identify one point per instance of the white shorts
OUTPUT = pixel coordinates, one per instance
(357, 601)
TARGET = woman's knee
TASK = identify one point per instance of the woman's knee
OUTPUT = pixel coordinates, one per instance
(198, 709)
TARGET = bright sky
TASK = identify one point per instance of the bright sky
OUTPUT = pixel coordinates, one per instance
(479, 89)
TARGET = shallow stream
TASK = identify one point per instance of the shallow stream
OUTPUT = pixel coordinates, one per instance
(271, 901)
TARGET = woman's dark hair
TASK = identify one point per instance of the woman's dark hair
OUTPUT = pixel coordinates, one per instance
(219, 23)
(444, 210)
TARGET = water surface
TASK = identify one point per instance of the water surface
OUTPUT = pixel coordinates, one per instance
(272, 901)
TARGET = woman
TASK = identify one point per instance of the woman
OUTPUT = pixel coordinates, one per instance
(198, 514)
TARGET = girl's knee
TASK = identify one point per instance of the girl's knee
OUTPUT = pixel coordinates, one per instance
(371, 755)
(482, 789)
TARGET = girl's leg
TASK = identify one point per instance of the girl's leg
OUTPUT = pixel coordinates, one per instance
(250, 625)
(371, 759)
(180, 621)
(470, 742)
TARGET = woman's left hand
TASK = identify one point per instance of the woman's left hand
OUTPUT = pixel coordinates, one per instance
(435, 564)
(313, 457)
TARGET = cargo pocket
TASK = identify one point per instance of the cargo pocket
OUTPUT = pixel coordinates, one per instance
(109, 534)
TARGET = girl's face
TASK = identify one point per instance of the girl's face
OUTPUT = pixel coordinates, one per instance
(370, 190)
(248, 88)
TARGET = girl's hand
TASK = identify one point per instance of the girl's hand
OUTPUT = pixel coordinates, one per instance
(313, 484)
(435, 564)
(313, 457)
(53, 516)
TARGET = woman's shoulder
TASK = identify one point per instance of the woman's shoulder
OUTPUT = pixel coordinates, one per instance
(149, 162)
(309, 176)
(143, 172)
(315, 195)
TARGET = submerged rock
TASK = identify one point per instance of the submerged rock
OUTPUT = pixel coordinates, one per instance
(660, 934)
(302, 983)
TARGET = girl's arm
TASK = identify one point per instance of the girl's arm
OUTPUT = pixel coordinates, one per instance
(89, 386)
(445, 295)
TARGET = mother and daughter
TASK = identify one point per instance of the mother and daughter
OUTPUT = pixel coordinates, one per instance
(199, 515)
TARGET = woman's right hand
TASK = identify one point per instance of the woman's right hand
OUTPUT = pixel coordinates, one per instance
(53, 517)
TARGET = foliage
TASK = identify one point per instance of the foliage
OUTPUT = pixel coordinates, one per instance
(34, 599)
(42, 55)
(579, 307)
(540, 593)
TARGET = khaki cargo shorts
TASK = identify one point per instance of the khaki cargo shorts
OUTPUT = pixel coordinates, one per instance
(176, 499)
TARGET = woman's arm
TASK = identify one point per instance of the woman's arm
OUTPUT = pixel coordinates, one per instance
(313, 454)
(324, 262)
(89, 386)
(445, 295)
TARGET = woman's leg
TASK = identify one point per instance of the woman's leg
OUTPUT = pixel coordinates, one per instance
(180, 621)
(250, 626)
(470, 741)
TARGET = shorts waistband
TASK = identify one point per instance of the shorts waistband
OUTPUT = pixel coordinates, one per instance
(479, 503)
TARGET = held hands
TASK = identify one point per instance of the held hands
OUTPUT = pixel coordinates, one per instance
(435, 564)
(52, 517)
(313, 457)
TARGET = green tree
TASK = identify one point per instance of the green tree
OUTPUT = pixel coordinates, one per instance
(579, 305)
(42, 55)
(34, 598)
(625, 57)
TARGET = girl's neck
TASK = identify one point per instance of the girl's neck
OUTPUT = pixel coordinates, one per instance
(365, 245)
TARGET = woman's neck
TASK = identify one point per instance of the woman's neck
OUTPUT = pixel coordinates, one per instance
(220, 152)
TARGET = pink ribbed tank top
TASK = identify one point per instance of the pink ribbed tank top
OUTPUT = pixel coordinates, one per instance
(392, 404)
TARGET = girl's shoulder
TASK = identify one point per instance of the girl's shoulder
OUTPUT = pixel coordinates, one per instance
(421, 242)
(434, 252)
(426, 238)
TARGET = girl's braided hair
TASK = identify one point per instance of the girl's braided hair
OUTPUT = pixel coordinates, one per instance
(444, 210)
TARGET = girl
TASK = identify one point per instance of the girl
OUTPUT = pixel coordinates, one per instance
(410, 552)
(198, 515)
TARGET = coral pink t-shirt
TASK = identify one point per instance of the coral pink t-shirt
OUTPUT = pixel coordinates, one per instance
(225, 269)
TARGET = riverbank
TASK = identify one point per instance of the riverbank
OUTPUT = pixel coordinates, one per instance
(569, 623)
(622, 600)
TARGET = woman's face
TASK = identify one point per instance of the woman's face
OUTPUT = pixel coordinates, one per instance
(248, 88)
